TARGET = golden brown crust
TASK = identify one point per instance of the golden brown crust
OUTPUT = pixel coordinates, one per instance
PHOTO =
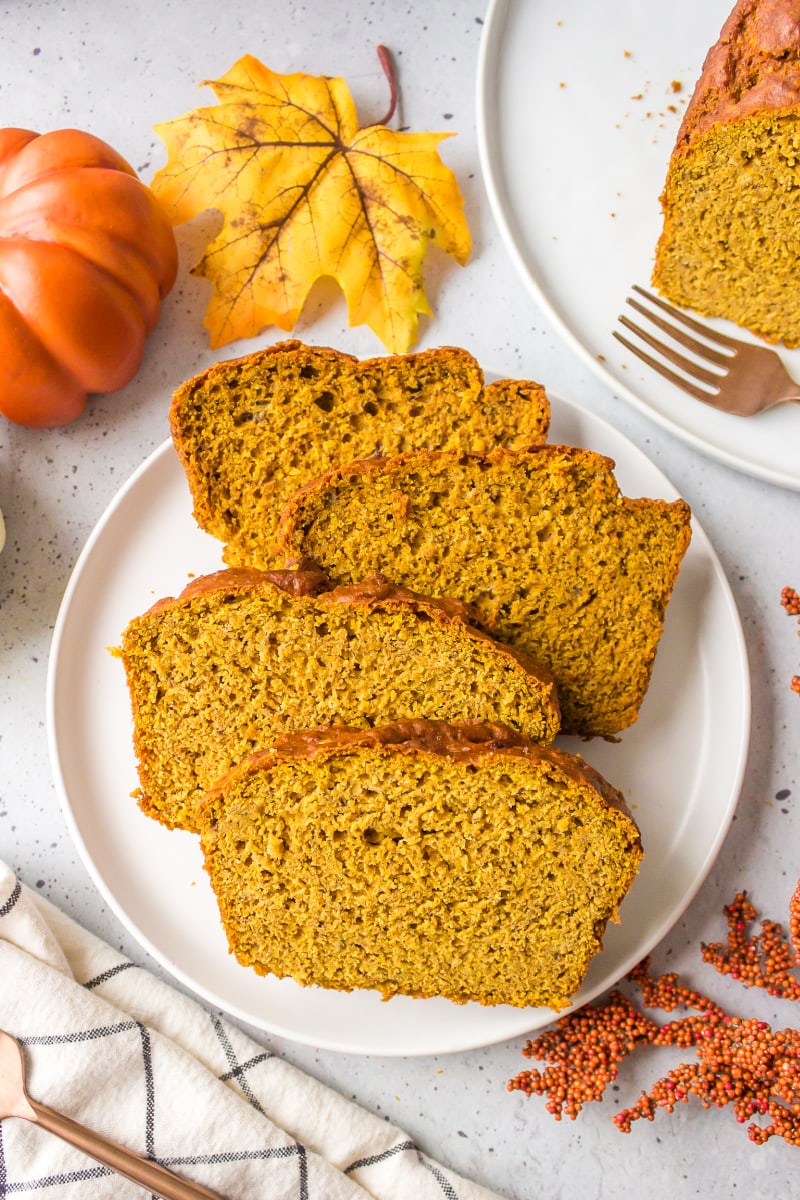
(223, 370)
(287, 530)
(497, 530)
(249, 431)
(221, 669)
(306, 580)
(753, 67)
(421, 858)
(464, 742)
(728, 246)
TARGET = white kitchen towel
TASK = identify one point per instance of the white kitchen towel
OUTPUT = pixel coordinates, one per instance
(112, 1046)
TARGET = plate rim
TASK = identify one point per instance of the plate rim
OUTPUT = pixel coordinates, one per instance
(207, 994)
(488, 57)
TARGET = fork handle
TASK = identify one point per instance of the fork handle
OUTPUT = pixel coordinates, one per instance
(121, 1160)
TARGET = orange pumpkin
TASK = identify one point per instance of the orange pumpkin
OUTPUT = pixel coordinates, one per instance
(86, 256)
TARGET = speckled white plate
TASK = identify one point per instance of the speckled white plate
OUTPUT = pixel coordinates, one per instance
(577, 117)
(680, 767)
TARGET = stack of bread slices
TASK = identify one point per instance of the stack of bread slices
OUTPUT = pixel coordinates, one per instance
(357, 716)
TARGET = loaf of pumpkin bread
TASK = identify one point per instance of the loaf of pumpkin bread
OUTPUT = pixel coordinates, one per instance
(730, 243)
(419, 858)
(554, 560)
(249, 432)
(243, 656)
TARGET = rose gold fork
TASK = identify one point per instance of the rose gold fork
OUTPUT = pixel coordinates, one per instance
(744, 379)
(15, 1102)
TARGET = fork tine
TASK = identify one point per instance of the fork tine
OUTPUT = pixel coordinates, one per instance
(684, 339)
(679, 360)
(720, 338)
(664, 371)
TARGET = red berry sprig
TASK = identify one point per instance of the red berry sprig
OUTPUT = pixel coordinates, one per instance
(583, 1053)
(791, 602)
(739, 1062)
(764, 960)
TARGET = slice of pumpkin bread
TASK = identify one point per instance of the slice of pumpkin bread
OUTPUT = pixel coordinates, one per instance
(251, 431)
(419, 858)
(243, 656)
(554, 560)
(730, 242)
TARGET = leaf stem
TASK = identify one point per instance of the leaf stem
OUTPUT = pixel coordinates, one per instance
(385, 59)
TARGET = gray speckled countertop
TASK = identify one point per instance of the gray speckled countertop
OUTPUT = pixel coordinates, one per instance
(118, 69)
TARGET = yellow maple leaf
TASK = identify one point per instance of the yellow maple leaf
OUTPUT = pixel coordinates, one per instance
(306, 193)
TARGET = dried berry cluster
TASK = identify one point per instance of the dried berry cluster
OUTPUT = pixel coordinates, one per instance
(791, 602)
(739, 1062)
(583, 1052)
(764, 960)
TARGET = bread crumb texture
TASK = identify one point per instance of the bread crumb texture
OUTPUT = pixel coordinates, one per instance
(422, 859)
(540, 543)
(730, 241)
(244, 656)
(250, 431)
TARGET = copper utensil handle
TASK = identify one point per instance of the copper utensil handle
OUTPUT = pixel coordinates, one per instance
(125, 1162)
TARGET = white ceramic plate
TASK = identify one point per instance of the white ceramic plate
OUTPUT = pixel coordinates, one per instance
(575, 133)
(680, 767)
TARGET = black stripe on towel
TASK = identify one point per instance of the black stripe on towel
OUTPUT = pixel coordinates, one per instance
(106, 975)
(236, 1068)
(16, 892)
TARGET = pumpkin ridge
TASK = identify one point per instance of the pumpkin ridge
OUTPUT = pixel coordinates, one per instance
(99, 336)
(86, 256)
(32, 374)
